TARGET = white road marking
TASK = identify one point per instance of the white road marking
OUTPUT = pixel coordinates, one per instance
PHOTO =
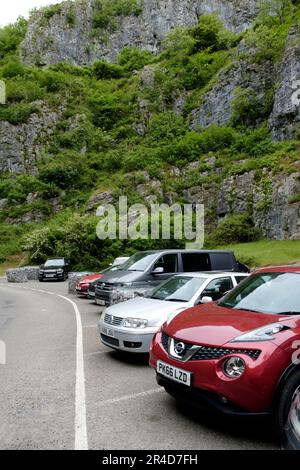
(81, 438)
(130, 397)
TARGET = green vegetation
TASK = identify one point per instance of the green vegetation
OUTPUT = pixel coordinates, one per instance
(267, 252)
(107, 13)
(118, 121)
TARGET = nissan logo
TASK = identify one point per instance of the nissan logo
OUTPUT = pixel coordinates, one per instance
(179, 348)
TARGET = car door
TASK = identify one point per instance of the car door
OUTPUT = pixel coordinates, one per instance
(169, 263)
(217, 288)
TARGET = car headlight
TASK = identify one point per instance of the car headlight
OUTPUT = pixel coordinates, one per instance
(266, 333)
(234, 367)
(135, 323)
(60, 271)
(103, 314)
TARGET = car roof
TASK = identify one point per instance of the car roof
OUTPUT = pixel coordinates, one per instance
(209, 274)
(184, 251)
(279, 269)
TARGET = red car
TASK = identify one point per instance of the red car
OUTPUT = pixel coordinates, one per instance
(82, 287)
(240, 355)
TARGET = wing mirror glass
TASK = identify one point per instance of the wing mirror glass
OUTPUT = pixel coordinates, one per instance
(158, 271)
(206, 300)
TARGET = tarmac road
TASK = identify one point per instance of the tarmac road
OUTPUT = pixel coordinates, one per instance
(62, 389)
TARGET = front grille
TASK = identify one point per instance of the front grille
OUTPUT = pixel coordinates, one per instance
(105, 287)
(111, 341)
(206, 353)
(111, 320)
(209, 353)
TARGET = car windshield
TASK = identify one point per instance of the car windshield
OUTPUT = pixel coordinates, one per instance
(273, 293)
(139, 262)
(54, 262)
(178, 289)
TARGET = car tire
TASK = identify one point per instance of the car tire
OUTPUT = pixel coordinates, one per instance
(285, 401)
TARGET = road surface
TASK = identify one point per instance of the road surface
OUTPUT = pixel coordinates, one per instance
(62, 389)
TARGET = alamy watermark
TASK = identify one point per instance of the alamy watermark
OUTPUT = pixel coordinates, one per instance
(2, 92)
(160, 222)
(2, 353)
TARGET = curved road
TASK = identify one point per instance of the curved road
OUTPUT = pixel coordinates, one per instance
(51, 386)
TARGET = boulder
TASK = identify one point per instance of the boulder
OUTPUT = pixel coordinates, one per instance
(17, 275)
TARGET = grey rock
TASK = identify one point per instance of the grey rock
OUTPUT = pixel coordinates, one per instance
(216, 105)
(200, 195)
(49, 42)
(32, 272)
(3, 203)
(285, 118)
(17, 275)
(22, 145)
(235, 194)
(99, 199)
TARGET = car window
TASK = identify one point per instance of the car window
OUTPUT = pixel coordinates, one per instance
(54, 263)
(138, 262)
(217, 288)
(239, 278)
(274, 293)
(221, 261)
(180, 289)
(168, 262)
(193, 262)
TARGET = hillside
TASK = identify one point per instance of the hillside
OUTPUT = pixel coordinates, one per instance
(162, 101)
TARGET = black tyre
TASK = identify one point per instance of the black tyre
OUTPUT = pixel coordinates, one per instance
(285, 402)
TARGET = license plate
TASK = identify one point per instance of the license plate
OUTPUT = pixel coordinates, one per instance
(173, 373)
(50, 275)
(108, 332)
(101, 302)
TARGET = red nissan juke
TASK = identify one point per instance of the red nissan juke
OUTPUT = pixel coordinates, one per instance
(240, 355)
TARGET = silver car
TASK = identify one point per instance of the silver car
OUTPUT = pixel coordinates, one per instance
(131, 325)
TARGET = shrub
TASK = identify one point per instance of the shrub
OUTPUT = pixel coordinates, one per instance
(105, 71)
(246, 107)
(52, 10)
(11, 36)
(132, 58)
(106, 12)
(64, 175)
(17, 114)
(236, 228)
(201, 67)
(210, 33)
(166, 127)
(13, 69)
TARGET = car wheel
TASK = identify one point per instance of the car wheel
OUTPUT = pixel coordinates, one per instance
(286, 403)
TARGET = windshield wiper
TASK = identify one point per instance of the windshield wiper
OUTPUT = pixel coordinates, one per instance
(288, 313)
(247, 310)
(176, 300)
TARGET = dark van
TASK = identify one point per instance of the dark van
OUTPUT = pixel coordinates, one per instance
(149, 268)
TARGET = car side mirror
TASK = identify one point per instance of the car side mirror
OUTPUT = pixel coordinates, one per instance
(158, 271)
(206, 300)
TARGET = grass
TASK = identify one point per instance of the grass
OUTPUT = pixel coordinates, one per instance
(267, 252)
(14, 261)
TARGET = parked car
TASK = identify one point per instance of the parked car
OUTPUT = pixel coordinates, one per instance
(130, 326)
(240, 355)
(83, 285)
(291, 435)
(150, 268)
(54, 269)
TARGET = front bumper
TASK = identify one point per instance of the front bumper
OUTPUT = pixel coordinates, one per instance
(52, 277)
(134, 341)
(252, 393)
(203, 399)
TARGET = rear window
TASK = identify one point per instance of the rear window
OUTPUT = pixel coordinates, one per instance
(221, 261)
(193, 262)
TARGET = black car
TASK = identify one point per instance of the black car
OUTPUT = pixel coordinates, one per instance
(55, 269)
(150, 268)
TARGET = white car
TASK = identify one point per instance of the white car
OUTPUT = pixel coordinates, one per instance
(131, 325)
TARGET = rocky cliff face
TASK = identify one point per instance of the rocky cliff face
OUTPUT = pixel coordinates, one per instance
(22, 145)
(55, 39)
